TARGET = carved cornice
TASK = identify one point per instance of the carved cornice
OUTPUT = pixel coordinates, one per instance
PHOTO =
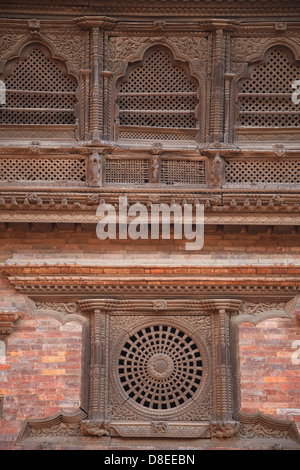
(65, 281)
(222, 206)
(195, 8)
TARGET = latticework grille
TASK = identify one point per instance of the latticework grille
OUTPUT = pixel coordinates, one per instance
(160, 367)
(38, 92)
(265, 99)
(151, 135)
(263, 171)
(157, 95)
(59, 170)
(183, 171)
(127, 171)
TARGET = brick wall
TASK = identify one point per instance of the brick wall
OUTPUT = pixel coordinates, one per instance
(40, 374)
(270, 371)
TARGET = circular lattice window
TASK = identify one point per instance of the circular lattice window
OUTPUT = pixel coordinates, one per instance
(160, 367)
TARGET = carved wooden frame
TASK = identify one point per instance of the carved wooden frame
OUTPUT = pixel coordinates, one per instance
(21, 52)
(258, 54)
(226, 426)
(178, 51)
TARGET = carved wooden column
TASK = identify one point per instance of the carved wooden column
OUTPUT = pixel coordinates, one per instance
(97, 27)
(96, 105)
(223, 398)
(107, 76)
(217, 111)
(84, 107)
(99, 366)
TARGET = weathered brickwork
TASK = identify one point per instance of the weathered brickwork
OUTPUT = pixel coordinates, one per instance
(40, 374)
(270, 369)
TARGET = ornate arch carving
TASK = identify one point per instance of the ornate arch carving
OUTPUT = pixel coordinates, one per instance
(261, 55)
(22, 51)
(124, 51)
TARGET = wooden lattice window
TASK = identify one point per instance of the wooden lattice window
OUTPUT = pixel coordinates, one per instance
(158, 99)
(263, 171)
(43, 170)
(179, 171)
(265, 99)
(38, 90)
(125, 170)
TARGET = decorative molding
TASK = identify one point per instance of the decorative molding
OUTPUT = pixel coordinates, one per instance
(61, 424)
(66, 282)
(63, 312)
(260, 426)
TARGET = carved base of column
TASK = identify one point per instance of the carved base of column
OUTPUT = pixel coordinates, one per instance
(245, 431)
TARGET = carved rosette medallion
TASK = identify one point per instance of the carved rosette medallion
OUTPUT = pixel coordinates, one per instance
(160, 367)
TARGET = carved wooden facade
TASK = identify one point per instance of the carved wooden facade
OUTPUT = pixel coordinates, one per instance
(191, 110)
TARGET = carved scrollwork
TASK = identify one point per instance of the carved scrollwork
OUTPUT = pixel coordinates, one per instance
(95, 428)
(223, 429)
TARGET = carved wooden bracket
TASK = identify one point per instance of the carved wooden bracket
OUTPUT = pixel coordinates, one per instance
(7, 319)
(293, 309)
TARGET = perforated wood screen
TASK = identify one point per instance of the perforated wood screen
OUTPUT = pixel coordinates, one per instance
(265, 99)
(183, 171)
(173, 171)
(157, 96)
(160, 367)
(126, 171)
(37, 92)
(263, 171)
(43, 170)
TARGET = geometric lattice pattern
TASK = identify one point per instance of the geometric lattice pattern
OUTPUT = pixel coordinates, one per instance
(38, 93)
(183, 171)
(127, 170)
(263, 171)
(157, 95)
(160, 367)
(265, 97)
(42, 170)
(151, 135)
